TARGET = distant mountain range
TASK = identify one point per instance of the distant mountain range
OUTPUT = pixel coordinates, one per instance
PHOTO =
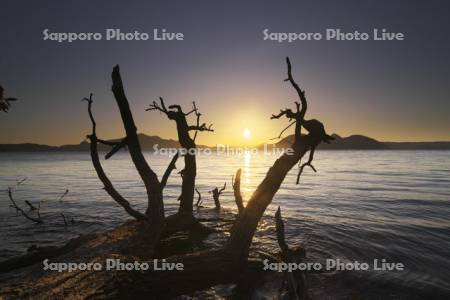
(353, 142)
(361, 142)
(147, 143)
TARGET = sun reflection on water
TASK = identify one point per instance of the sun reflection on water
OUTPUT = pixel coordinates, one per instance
(246, 172)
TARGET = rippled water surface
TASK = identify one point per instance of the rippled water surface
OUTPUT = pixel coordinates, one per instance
(360, 205)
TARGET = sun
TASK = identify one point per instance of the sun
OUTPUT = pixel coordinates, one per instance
(247, 134)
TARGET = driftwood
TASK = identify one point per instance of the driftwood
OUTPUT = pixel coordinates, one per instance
(4, 102)
(37, 220)
(38, 254)
(236, 183)
(296, 280)
(200, 269)
(31, 206)
(216, 194)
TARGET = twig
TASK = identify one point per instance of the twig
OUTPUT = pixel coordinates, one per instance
(223, 188)
(169, 170)
(63, 195)
(116, 148)
(36, 220)
(30, 205)
(308, 163)
(64, 219)
(281, 133)
(199, 200)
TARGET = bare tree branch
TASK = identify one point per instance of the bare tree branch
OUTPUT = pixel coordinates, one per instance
(155, 202)
(199, 199)
(301, 94)
(64, 219)
(109, 188)
(155, 106)
(63, 195)
(202, 127)
(174, 112)
(169, 170)
(116, 148)
(223, 188)
(4, 102)
(308, 163)
(30, 205)
(18, 208)
(281, 133)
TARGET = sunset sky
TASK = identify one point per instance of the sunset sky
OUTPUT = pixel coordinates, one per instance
(388, 90)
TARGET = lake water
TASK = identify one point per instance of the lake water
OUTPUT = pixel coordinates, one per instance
(360, 205)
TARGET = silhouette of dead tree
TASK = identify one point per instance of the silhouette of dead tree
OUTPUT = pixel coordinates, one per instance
(154, 213)
(228, 264)
(314, 127)
(296, 281)
(4, 102)
(200, 269)
(216, 194)
(189, 173)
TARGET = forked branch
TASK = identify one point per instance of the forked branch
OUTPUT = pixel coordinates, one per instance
(109, 188)
(301, 94)
(19, 209)
(159, 107)
(307, 164)
(155, 208)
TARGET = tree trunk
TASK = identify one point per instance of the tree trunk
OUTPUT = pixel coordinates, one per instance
(155, 209)
(245, 227)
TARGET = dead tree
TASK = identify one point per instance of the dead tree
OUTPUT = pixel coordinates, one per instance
(4, 102)
(314, 127)
(216, 194)
(200, 269)
(296, 281)
(154, 213)
(236, 183)
(228, 264)
(189, 173)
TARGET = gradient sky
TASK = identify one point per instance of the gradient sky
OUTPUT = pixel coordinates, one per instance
(397, 91)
